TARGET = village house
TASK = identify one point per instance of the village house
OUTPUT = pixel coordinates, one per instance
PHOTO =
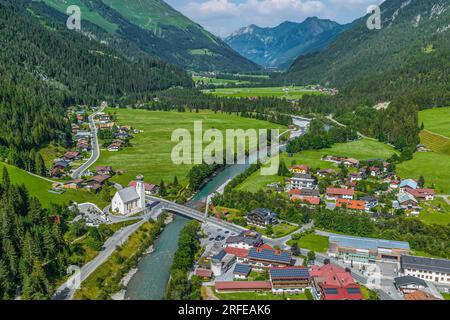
(357, 205)
(97, 182)
(261, 258)
(421, 194)
(408, 183)
(370, 201)
(245, 240)
(114, 147)
(290, 280)
(301, 180)
(72, 156)
(131, 199)
(406, 200)
(358, 176)
(74, 184)
(261, 217)
(302, 168)
(350, 162)
(331, 282)
(204, 274)
(339, 193)
(82, 145)
(83, 135)
(311, 196)
(240, 254)
(374, 171)
(150, 189)
(241, 271)
(59, 168)
(104, 170)
(394, 184)
(326, 172)
(428, 269)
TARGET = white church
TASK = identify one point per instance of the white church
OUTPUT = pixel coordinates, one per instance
(130, 200)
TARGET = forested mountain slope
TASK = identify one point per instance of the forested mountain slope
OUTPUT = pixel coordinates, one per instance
(408, 56)
(45, 67)
(155, 28)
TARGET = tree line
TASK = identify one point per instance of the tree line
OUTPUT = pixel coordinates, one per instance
(33, 253)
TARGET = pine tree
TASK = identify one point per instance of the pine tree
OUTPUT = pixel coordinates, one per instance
(5, 180)
(40, 168)
(162, 188)
(175, 181)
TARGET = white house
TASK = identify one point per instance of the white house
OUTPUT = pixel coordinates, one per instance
(428, 269)
(131, 199)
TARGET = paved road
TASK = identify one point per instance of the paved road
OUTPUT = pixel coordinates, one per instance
(446, 197)
(66, 291)
(95, 154)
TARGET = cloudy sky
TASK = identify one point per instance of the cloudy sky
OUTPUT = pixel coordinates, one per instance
(222, 17)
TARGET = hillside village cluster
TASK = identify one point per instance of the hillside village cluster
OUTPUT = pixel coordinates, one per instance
(368, 186)
(114, 137)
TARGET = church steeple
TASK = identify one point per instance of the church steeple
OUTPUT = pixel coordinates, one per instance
(140, 189)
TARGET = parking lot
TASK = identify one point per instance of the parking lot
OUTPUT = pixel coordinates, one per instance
(216, 234)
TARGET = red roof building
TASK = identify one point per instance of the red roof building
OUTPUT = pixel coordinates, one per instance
(351, 204)
(302, 168)
(238, 252)
(337, 193)
(334, 283)
(149, 188)
(203, 273)
(421, 194)
(235, 286)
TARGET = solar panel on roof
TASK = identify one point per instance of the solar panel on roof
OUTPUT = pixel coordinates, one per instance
(242, 268)
(289, 273)
(353, 290)
(270, 255)
(330, 291)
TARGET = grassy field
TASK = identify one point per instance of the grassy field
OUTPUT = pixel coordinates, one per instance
(436, 120)
(150, 154)
(218, 81)
(257, 296)
(361, 150)
(39, 188)
(279, 230)
(313, 242)
(434, 167)
(431, 215)
(435, 142)
(293, 93)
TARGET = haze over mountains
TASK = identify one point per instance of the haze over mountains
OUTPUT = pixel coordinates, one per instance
(278, 47)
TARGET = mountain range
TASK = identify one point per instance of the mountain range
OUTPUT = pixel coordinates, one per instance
(278, 47)
(409, 55)
(151, 27)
